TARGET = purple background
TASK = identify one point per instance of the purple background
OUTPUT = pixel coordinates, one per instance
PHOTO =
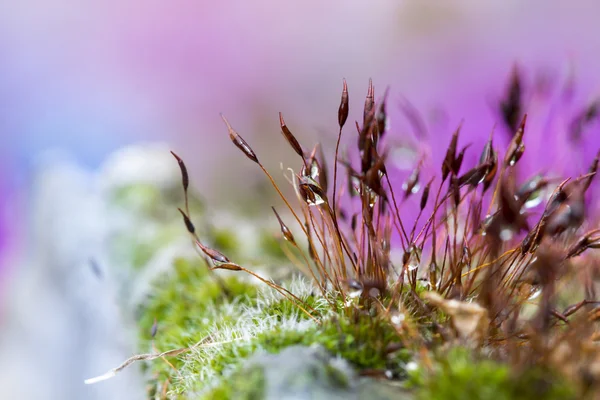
(88, 78)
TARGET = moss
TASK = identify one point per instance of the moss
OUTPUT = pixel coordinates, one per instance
(271, 245)
(272, 341)
(421, 287)
(356, 336)
(187, 305)
(179, 304)
(277, 340)
(141, 197)
(152, 201)
(138, 249)
(284, 309)
(231, 355)
(336, 377)
(152, 220)
(458, 375)
(245, 384)
(363, 340)
(225, 240)
(324, 371)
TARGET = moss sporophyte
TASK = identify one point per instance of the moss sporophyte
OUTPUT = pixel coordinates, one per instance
(493, 262)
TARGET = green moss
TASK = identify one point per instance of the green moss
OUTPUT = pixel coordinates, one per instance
(356, 336)
(154, 222)
(336, 377)
(150, 199)
(225, 240)
(187, 304)
(272, 341)
(246, 384)
(284, 309)
(363, 340)
(180, 306)
(140, 197)
(181, 303)
(421, 287)
(271, 245)
(458, 375)
(277, 339)
(139, 249)
(231, 355)
(363, 346)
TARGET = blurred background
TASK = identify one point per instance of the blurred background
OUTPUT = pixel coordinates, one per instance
(80, 81)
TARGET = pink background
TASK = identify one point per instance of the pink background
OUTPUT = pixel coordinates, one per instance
(88, 77)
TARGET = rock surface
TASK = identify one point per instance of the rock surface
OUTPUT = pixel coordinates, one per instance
(311, 373)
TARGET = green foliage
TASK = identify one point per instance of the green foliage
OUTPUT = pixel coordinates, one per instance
(154, 221)
(271, 244)
(180, 300)
(362, 340)
(284, 309)
(180, 306)
(458, 375)
(245, 384)
(273, 341)
(225, 240)
(139, 249)
(188, 304)
(152, 201)
(143, 198)
(336, 377)
(187, 307)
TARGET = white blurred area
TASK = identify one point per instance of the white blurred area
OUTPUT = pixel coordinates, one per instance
(63, 318)
(85, 78)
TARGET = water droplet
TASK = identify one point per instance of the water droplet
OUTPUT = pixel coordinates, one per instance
(372, 198)
(403, 157)
(487, 222)
(318, 200)
(534, 199)
(412, 258)
(355, 185)
(411, 366)
(414, 189)
(310, 191)
(535, 293)
(314, 170)
(355, 287)
(506, 234)
(398, 319)
(426, 282)
(413, 264)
